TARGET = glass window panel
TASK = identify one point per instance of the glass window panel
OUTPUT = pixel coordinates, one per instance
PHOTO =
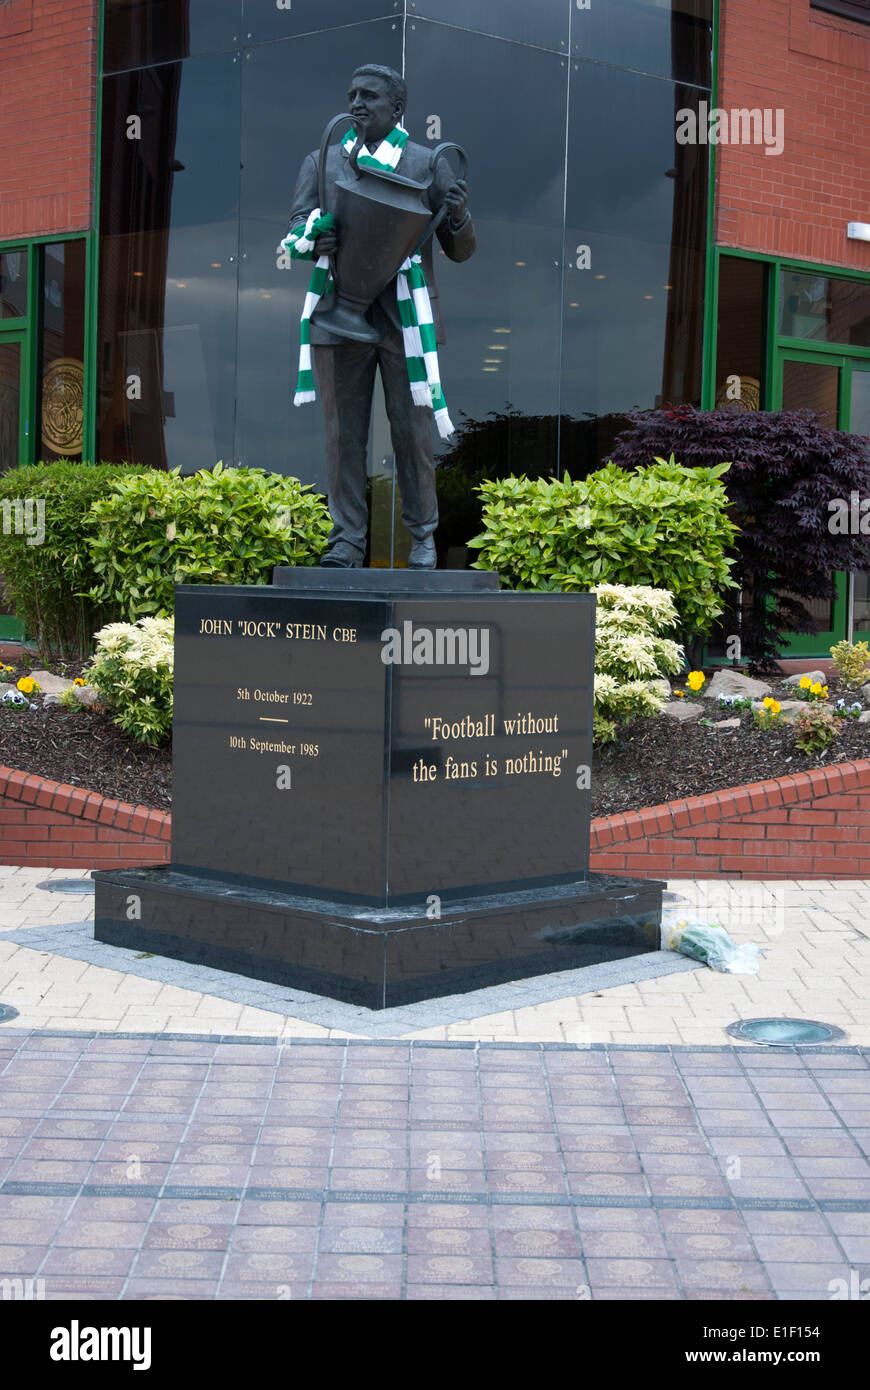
(500, 364)
(545, 23)
(141, 32)
(859, 417)
(811, 386)
(284, 94)
(672, 38)
(264, 20)
(825, 308)
(740, 334)
(61, 381)
(13, 284)
(10, 403)
(168, 263)
(635, 244)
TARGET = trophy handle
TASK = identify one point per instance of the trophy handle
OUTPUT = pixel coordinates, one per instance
(321, 163)
(438, 217)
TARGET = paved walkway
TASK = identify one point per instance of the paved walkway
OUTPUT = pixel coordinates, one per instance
(167, 1130)
(206, 1168)
(815, 936)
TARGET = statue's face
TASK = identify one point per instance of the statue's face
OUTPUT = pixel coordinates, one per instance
(369, 102)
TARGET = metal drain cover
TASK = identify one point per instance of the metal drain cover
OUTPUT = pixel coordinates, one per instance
(67, 885)
(785, 1032)
(7, 1012)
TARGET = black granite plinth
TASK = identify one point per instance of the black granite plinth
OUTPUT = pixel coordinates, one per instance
(384, 581)
(381, 789)
(378, 958)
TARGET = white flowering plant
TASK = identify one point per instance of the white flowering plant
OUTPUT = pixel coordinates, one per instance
(132, 670)
(632, 654)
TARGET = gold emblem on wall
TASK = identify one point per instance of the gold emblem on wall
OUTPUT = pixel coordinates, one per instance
(739, 393)
(62, 405)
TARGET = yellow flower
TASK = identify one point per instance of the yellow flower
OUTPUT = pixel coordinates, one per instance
(679, 694)
(825, 691)
(78, 681)
(768, 701)
(27, 685)
(695, 679)
(816, 688)
(774, 706)
(805, 683)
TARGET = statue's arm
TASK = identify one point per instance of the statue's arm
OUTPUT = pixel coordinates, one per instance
(305, 193)
(456, 235)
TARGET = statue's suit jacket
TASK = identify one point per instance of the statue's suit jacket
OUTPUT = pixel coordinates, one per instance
(458, 244)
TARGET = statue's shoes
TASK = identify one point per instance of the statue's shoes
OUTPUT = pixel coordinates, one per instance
(342, 556)
(423, 555)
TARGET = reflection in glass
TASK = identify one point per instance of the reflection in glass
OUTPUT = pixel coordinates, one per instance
(61, 381)
(635, 244)
(501, 309)
(265, 20)
(544, 23)
(10, 403)
(672, 38)
(141, 32)
(170, 203)
(859, 423)
(812, 386)
(740, 334)
(859, 415)
(13, 284)
(825, 308)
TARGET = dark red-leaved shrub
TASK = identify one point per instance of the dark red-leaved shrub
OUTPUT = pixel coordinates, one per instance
(785, 470)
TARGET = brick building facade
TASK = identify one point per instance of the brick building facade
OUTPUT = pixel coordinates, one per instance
(815, 66)
(48, 84)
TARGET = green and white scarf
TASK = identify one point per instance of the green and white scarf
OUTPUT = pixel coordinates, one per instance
(415, 309)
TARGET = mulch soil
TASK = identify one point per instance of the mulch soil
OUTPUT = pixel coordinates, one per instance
(653, 760)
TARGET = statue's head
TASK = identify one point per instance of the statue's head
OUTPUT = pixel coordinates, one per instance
(377, 98)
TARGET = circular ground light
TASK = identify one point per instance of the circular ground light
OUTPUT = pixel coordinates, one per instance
(785, 1032)
(7, 1012)
(67, 885)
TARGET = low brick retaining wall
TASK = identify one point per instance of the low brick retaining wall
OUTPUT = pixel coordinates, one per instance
(808, 825)
(48, 825)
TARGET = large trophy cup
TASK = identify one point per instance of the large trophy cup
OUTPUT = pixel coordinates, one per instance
(391, 221)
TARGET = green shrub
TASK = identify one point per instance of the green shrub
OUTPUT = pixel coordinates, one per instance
(44, 578)
(663, 527)
(132, 670)
(815, 729)
(631, 654)
(223, 526)
(852, 662)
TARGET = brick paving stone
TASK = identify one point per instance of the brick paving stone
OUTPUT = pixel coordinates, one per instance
(187, 1235)
(357, 1238)
(628, 1272)
(143, 1289)
(705, 1245)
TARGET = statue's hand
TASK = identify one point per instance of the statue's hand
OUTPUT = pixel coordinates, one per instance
(456, 199)
(326, 244)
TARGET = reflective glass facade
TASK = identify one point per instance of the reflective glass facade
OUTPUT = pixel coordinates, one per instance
(584, 297)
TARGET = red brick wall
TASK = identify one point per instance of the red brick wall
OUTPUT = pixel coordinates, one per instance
(809, 825)
(780, 53)
(48, 75)
(48, 825)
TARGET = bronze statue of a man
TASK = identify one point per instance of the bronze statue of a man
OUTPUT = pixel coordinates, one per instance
(346, 369)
